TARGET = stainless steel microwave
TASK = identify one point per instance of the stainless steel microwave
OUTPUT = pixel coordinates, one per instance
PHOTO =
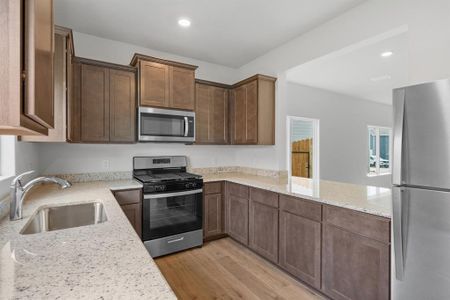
(165, 125)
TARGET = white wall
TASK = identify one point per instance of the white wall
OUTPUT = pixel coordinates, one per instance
(17, 157)
(79, 158)
(89, 46)
(428, 34)
(343, 131)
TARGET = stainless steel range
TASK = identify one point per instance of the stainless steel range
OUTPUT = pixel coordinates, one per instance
(172, 206)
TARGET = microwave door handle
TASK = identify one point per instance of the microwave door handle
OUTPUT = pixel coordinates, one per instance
(186, 126)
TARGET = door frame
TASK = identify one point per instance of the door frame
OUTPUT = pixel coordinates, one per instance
(316, 149)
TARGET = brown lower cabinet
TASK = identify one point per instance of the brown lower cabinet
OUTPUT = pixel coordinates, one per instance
(237, 203)
(131, 203)
(213, 210)
(263, 223)
(300, 239)
(342, 253)
(355, 258)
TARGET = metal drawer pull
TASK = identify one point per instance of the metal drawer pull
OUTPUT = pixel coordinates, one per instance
(176, 240)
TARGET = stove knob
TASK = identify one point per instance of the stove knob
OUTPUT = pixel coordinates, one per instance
(194, 184)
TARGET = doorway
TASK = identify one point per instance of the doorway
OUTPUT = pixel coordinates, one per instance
(303, 147)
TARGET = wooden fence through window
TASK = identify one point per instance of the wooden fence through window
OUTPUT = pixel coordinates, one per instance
(301, 153)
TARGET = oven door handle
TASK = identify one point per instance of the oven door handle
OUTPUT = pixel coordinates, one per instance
(156, 196)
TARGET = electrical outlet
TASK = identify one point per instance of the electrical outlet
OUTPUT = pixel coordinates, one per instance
(105, 164)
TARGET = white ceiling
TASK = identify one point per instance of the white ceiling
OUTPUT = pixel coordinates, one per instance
(226, 32)
(360, 73)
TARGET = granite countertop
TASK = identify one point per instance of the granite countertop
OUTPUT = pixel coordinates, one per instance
(106, 260)
(368, 199)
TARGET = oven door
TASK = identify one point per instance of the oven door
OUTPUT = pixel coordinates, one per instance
(171, 213)
(164, 125)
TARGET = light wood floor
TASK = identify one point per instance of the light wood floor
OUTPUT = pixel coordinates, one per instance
(224, 269)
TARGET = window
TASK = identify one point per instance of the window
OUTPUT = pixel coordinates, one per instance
(379, 150)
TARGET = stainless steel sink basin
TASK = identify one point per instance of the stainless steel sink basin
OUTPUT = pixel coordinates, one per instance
(63, 217)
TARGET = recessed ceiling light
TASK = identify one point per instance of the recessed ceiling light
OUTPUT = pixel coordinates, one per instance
(184, 22)
(387, 54)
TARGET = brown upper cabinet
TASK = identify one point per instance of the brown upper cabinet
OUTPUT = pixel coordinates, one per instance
(26, 57)
(211, 113)
(102, 106)
(163, 83)
(62, 63)
(252, 114)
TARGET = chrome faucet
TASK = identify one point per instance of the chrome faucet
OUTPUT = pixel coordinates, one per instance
(19, 191)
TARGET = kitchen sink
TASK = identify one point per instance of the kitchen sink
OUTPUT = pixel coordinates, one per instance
(52, 218)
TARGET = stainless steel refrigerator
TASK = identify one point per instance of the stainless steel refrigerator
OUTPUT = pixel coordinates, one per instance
(421, 192)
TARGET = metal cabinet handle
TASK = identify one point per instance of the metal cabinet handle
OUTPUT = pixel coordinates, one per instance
(399, 113)
(400, 205)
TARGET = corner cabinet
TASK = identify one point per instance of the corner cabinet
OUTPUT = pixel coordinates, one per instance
(252, 113)
(26, 57)
(131, 203)
(102, 106)
(211, 112)
(165, 84)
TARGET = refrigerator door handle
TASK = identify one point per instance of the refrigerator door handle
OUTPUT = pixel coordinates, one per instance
(400, 205)
(399, 112)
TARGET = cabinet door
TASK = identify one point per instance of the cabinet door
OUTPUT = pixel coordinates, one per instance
(202, 114)
(219, 116)
(353, 266)
(134, 215)
(212, 215)
(238, 218)
(154, 84)
(239, 115)
(182, 88)
(300, 242)
(94, 104)
(263, 229)
(251, 113)
(39, 35)
(122, 98)
(61, 59)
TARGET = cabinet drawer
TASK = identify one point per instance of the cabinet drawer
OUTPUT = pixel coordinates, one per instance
(239, 190)
(374, 227)
(128, 196)
(212, 188)
(264, 197)
(300, 207)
